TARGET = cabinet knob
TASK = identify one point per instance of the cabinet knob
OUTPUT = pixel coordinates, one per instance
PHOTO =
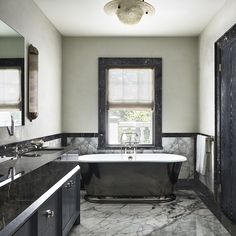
(49, 213)
(68, 186)
(71, 183)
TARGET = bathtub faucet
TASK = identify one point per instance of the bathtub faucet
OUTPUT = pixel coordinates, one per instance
(128, 141)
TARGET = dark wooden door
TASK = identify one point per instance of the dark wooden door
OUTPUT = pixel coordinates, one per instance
(227, 121)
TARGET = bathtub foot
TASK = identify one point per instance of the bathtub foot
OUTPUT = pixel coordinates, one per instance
(130, 200)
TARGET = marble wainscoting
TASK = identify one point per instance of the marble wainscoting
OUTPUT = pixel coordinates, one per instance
(176, 145)
(53, 143)
(182, 146)
(185, 216)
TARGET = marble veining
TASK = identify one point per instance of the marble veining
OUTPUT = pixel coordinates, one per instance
(175, 145)
(185, 216)
(18, 195)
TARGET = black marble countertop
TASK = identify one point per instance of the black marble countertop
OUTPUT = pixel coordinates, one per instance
(41, 177)
(26, 164)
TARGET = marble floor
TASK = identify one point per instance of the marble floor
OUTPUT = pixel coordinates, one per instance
(186, 216)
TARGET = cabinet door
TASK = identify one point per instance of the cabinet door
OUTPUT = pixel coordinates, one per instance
(65, 204)
(228, 129)
(73, 196)
(29, 228)
(48, 217)
(70, 200)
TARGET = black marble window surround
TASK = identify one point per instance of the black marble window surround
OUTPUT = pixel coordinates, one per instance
(108, 63)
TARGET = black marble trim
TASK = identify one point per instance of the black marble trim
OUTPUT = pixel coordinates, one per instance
(106, 63)
(219, 45)
(209, 200)
(84, 135)
(183, 135)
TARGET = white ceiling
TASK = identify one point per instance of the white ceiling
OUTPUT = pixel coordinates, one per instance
(172, 18)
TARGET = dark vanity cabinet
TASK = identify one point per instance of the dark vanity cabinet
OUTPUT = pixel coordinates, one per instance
(57, 215)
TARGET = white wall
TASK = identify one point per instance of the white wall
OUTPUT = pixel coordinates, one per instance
(215, 29)
(80, 78)
(26, 18)
(223, 21)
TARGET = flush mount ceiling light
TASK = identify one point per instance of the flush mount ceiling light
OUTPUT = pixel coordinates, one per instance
(129, 12)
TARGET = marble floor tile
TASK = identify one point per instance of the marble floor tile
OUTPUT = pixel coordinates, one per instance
(186, 216)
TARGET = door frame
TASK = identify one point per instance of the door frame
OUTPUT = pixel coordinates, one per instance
(219, 45)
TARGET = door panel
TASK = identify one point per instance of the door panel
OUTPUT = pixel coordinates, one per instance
(233, 167)
(228, 128)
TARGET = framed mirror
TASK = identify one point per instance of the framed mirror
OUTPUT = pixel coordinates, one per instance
(12, 56)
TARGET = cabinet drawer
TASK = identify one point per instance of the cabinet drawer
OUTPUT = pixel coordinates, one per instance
(48, 217)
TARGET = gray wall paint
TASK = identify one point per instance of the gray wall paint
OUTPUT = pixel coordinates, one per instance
(80, 78)
(26, 18)
(223, 21)
(215, 29)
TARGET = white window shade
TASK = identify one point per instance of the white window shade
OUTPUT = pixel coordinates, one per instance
(130, 88)
(9, 87)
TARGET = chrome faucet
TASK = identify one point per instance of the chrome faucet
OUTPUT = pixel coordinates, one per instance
(11, 173)
(130, 143)
(11, 129)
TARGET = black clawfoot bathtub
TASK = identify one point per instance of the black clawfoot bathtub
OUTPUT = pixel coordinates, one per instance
(130, 176)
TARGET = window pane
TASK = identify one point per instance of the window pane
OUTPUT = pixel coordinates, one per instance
(10, 86)
(130, 86)
(130, 121)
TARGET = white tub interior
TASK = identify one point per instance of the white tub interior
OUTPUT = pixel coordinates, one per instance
(159, 157)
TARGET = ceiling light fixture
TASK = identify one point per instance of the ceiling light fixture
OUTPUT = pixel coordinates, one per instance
(129, 12)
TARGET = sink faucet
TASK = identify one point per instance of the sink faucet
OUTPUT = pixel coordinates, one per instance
(129, 143)
(11, 173)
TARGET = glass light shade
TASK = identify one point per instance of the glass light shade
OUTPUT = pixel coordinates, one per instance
(130, 16)
(129, 11)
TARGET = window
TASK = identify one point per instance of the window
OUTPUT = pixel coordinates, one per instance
(130, 100)
(11, 91)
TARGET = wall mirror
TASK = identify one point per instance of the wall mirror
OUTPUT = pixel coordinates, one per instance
(12, 48)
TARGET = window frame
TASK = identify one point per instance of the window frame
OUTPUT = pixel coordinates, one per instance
(104, 64)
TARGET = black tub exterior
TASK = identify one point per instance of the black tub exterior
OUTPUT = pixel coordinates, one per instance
(130, 179)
